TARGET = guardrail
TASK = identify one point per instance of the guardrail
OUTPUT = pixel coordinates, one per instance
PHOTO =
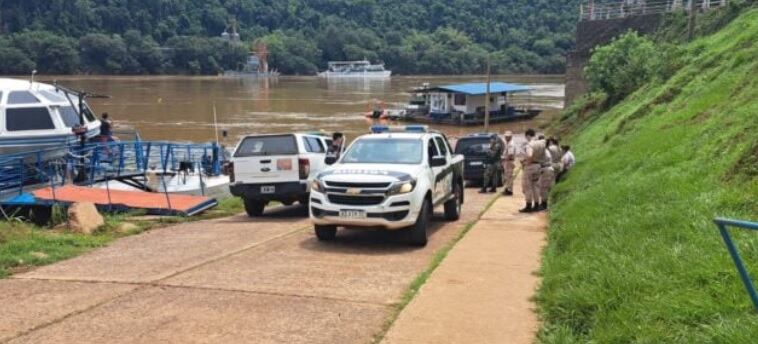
(614, 9)
(96, 162)
(723, 225)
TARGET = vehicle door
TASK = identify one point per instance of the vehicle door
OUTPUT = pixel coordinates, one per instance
(314, 151)
(434, 152)
(445, 178)
(266, 159)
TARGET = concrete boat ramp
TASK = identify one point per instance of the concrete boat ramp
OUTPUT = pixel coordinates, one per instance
(265, 280)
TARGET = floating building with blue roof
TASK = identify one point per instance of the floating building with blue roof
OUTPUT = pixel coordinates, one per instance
(464, 104)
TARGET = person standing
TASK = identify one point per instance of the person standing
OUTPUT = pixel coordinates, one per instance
(335, 149)
(534, 154)
(555, 155)
(547, 176)
(106, 129)
(509, 164)
(567, 161)
(492, 165)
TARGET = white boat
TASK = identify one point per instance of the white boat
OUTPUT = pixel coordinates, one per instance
(36, 116)
(355, 69)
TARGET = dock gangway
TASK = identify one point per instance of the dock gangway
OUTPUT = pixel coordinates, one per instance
(96, 164)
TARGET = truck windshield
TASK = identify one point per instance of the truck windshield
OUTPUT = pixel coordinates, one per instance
(384, 151)
(267, 145)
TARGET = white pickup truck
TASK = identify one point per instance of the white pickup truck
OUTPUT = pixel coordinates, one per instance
(267, 168)
(391, 179)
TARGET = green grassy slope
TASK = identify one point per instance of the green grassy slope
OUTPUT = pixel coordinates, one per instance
(633, 255)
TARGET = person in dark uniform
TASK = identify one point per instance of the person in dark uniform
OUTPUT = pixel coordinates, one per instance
(492, 165)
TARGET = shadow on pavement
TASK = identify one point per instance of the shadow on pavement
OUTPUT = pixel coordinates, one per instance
(279, 214)
(370, 241)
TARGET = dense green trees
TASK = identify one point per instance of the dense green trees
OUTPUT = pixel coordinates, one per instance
(182, 36)
(622, 66)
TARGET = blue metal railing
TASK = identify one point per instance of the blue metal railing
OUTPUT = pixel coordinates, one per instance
(96, 162)
(723, 225)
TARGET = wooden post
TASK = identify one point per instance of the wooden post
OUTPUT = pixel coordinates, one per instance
(487, 98)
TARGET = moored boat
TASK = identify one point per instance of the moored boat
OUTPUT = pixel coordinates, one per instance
(355, 69)
(37, 116)
(464, 104)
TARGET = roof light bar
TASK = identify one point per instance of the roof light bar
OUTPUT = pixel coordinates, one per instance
(379, 129)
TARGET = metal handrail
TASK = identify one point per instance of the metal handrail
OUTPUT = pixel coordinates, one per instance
(722, 225)
(102, 161)
(614, 9)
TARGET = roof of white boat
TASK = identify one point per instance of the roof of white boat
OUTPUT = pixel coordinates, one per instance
(8, 84)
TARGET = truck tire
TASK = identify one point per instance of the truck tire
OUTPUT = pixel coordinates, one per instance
(417, 232)
(325, 233)
(254, 207)
(453, 206)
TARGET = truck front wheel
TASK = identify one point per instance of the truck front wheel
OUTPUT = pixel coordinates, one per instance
(254, 207)
(417, 233)
(325, 233)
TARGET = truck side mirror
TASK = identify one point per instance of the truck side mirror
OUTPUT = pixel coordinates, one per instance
(330, 160)
(438, 161)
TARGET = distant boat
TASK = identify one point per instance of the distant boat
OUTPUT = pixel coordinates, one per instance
(355, 69)
(256, 65)
(36, 116)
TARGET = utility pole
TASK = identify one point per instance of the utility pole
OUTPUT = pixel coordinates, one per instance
(487, 98)
(691, 20)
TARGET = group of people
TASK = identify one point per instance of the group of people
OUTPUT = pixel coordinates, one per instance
(543, 163)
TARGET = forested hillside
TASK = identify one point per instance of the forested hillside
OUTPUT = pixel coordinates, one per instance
(182, 36)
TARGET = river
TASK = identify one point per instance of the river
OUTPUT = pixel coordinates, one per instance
(181, 108)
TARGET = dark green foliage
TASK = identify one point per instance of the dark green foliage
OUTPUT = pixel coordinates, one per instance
(410, 36)
(621, 67)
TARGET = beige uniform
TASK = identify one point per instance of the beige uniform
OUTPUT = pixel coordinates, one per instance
(534, 154)
(509, 164)
(556, 155)
(547, 176)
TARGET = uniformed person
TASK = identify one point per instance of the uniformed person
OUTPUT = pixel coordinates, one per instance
(547, 176)
(335, 150)
(534, 154)
(509, 164)
(492, 165)
(555, 154)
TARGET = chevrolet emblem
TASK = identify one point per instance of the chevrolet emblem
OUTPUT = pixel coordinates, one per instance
(353, 191)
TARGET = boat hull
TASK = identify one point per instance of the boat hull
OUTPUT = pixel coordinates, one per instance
(356, 75)
(51, 145)
(473, 119)
(234, 74)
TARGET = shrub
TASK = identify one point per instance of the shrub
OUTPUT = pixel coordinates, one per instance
(621, 67)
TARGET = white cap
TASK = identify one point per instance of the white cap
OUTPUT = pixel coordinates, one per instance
(508, 133)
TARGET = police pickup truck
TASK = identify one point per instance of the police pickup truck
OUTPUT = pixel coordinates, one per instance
(391, 179)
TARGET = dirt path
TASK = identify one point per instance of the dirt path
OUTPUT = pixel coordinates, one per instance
(232, 280)
(481, 292)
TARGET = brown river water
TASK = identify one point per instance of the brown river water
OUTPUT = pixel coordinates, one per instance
(181, 108)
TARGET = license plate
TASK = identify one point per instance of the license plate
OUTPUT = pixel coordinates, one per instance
(268, 189)
(352, 214)
(475, 163)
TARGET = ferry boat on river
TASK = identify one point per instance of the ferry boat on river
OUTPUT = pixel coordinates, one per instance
(355, 69)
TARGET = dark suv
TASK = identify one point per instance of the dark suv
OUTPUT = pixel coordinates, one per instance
(474, 148)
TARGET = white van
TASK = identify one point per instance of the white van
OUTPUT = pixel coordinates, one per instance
(267, 168)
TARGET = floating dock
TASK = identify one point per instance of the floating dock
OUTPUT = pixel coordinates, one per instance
(93, 173)
(115, 200)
